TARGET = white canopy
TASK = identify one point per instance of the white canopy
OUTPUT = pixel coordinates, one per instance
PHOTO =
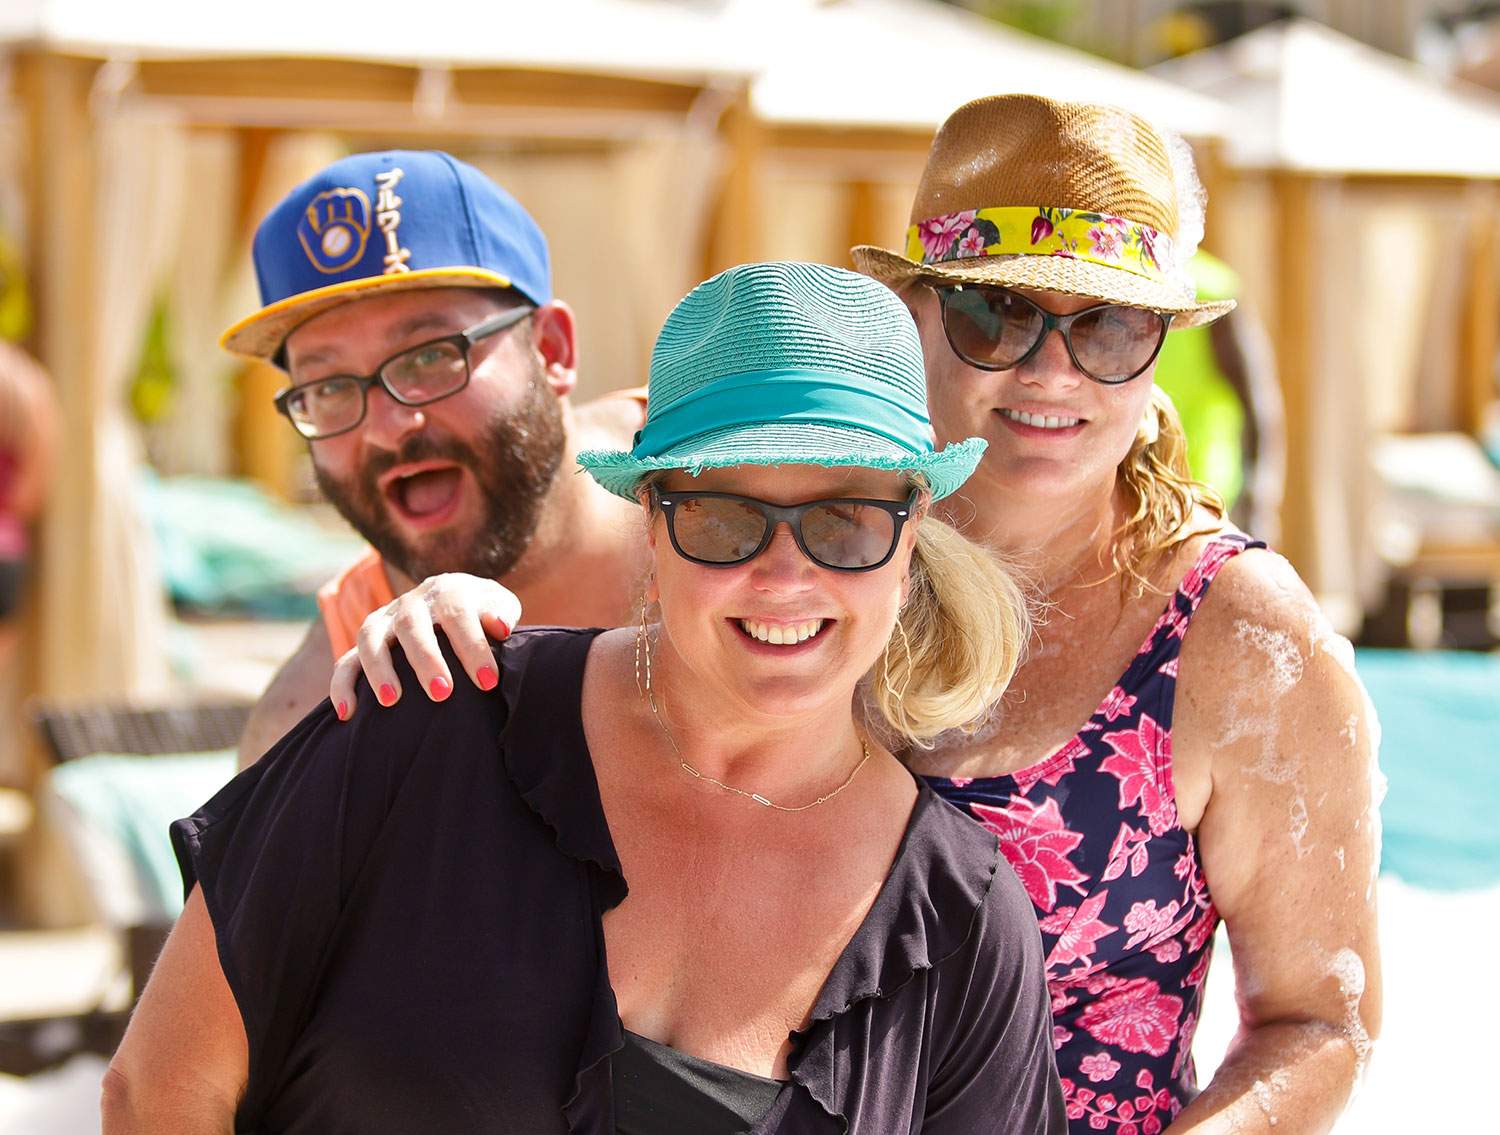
(883, 63)
(660, 38)
(1306, 98)
(911, 63)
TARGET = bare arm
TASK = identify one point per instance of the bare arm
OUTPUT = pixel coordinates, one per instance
(1290, 846)
(184, 1062)
(299, 685)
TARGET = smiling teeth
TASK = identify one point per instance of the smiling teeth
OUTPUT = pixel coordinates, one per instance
(1045, 422)
(779, 634)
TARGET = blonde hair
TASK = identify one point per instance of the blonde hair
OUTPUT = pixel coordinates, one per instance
(1161, 496)
(957, 642)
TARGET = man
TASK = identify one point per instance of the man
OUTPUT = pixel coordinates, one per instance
(409, 300)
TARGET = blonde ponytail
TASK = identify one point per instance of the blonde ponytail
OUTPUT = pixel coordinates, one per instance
(1160, 494)
(957, 643)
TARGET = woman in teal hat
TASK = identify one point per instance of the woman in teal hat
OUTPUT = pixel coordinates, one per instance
(667, 878)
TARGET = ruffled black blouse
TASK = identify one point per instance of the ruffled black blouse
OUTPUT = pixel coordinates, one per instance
(408, 911)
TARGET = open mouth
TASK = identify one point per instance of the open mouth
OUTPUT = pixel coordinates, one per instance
(781, 634)
(424, 495)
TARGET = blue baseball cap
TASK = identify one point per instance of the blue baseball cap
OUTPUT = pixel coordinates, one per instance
(386, 222)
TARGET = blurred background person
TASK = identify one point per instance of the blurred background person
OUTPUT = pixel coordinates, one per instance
(1222, 382)
(28, 451)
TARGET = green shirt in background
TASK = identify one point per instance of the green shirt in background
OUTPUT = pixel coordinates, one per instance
(1211, 412)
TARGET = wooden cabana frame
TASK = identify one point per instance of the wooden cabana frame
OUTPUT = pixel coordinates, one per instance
(597, 88)
(1321, 121)
(63, 96)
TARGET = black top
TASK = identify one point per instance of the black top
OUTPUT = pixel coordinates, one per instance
(661, 1091)
(408, 909)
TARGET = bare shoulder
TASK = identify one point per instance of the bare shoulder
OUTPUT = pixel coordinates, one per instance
(1266, 685)
(300, 683)
(610, 421)
(1259, 620)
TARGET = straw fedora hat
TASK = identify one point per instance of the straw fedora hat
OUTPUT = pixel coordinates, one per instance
(1063, 197)
(785, 363)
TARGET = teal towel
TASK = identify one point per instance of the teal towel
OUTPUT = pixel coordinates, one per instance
(132, 800)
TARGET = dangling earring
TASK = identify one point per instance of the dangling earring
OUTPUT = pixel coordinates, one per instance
(643, 656)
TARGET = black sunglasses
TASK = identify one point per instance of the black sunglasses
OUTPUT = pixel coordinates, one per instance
(994, 328)
(416, 376)
(843, 534)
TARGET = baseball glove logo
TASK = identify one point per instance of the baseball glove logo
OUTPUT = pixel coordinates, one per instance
(334, 228)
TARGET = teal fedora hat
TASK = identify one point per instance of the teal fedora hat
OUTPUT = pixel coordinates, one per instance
(786, 363)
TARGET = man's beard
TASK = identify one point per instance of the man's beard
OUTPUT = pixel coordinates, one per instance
(514, 465)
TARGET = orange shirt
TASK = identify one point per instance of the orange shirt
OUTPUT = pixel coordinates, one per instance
(348, 597)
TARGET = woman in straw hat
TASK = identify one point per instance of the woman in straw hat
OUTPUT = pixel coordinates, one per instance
(1137, 815)
(420, 921)
(1166, 758)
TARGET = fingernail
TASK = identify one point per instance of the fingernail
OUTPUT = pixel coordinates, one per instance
(387, 693)
(488, 679)
(343, 711)
(439, 688)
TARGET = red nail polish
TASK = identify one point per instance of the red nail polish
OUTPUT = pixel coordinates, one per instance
(387, 693)
(488, 679)
(440, 688)
(343, 711)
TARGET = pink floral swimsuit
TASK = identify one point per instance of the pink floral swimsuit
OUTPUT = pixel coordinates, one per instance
(1126, 918)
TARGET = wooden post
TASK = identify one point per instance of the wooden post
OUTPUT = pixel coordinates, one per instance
(67, 609)
(861, 217)
(1217, 178)
(61, 203)
(1480, 337)
(1295, 236)
(735, 234)
(266, 448)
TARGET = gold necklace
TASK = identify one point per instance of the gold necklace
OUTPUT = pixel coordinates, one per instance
(642, 649)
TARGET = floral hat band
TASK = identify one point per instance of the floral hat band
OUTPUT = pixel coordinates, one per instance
(1029, 230)
(1123, 237)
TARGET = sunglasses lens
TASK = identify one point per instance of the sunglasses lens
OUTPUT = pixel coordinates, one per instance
(842, 534)
(989, 328)
(1113, 344)
(717, 531)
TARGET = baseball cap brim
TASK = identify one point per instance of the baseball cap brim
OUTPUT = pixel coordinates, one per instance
(788, 443)
(1062, 274)
(261, 335)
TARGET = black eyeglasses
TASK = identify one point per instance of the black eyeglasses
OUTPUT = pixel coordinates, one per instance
(418, 375)
(720, 529)
(994, 328)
